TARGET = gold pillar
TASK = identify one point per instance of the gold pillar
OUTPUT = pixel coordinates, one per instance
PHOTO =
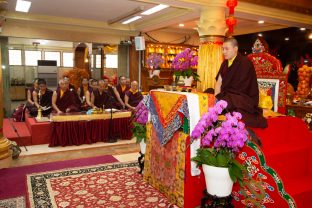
(5, 153)
(211, 29)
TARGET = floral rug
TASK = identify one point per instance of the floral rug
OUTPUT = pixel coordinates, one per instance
(18, 202)
(110, 185)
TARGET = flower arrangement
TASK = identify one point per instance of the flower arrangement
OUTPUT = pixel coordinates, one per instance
(221, 139)
(183, 63)
(76, 75)
(139, 122)
(154, 61)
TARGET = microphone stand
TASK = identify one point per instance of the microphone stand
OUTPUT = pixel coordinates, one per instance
(111, 136)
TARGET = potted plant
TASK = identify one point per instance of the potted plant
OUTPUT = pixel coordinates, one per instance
(182, 66)
(139, 125)
(154, 61)
(221, 139)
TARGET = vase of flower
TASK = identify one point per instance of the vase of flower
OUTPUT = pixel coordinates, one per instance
(218, 180)
(143, 146)
(188, 81)
(154, 61)
(156, 72)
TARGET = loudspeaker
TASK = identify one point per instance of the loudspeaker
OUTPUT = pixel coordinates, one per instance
(139, 43)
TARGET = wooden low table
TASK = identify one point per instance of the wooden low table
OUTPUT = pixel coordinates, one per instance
(299, 110)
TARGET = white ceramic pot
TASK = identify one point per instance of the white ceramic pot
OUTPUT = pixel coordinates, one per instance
(218, 181)
(188, 81)
(156, 73)
(143, 147)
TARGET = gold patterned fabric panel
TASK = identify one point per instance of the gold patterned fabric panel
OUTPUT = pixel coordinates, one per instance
(159, 161)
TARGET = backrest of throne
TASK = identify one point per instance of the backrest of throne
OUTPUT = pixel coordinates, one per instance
(269, 69)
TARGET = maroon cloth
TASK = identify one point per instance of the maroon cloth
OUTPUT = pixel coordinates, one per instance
(101, 99)
(29, 106)
(122, 93)
(240, 89)
(82, 91)
(68, 100)
(134, 99)
(87, 132)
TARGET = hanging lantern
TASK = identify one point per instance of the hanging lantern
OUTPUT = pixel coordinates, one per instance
(231, 4)
(230, 22)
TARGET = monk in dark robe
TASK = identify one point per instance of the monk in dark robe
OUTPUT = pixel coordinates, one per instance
(82, 93)
(122, 87)
(99, 97)
(237, 84)
(115, 101)
(64, 100)
(94, 86)
(133, 96)
(30, 105)
(42, 99)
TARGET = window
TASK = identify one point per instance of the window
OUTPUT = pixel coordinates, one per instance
(15, 57)
(97, 61)
(53, 56)
(111, 61)
(68, 59)
(32, 57)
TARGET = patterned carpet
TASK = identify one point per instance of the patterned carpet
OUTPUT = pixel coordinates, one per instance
(110, 185)
(18, 202)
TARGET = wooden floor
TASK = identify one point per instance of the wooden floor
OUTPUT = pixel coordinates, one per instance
(123, 150)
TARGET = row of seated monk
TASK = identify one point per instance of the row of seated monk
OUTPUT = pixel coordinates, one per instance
(91, 94)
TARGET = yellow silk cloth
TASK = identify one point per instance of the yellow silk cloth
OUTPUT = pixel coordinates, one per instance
(205, 101)
(167, 104)
(210, 58)
(84, 117)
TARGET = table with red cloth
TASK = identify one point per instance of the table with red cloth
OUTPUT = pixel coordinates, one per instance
(167, 166)
(77, 128)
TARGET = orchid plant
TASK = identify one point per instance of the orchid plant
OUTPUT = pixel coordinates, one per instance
(139, 122)
(154, 61)
(183, 63)
(221, 137)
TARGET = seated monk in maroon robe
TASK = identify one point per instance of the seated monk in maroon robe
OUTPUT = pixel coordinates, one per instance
(115, 100)
(237, 84)
(99, 97)
(64, 100)
(122, 87)
(42, 99)
(133, 97)
(82, 93)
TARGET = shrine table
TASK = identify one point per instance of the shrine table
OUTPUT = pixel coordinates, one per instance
(77, 128)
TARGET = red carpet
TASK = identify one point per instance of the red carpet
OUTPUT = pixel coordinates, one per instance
(13, 180)
(110, 185)
(22, 137)
(287, 146)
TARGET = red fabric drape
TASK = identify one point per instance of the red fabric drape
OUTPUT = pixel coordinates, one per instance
(87, 132)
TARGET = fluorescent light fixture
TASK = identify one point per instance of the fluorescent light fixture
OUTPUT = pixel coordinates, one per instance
(22, 6)
(155, 9)
(302, 29)
(181, 25)
(132, 19)
(260, 22)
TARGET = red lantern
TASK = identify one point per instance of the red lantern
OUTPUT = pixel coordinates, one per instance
(231, 4)
(230, 22)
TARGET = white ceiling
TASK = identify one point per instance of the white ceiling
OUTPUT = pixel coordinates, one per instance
(105, 10)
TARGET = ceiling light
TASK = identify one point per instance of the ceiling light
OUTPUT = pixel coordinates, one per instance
(287, 38)
(310, 36)
(22, 6)
(181, 25)
(260, 34)
(155, 9)
(260, 22)
(126, 15)
(302, 29)
(132, 19)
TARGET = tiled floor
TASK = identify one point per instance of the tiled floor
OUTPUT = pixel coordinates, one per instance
(123, 150)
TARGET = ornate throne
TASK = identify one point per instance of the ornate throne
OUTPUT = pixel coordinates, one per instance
(270, 74)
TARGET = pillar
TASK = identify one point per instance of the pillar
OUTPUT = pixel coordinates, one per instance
(212, 29)
(5, 152)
